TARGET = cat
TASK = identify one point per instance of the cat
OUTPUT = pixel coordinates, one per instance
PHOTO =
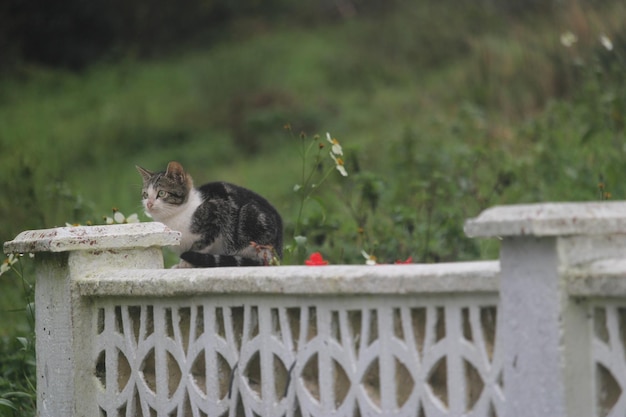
(221, 224)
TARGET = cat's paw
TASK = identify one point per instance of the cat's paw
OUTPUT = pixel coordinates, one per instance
(182, 264)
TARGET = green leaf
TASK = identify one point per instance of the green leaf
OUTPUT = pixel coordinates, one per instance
(17, 394)
(7, 403)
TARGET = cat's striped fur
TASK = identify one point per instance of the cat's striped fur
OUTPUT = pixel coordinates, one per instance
(221, 224)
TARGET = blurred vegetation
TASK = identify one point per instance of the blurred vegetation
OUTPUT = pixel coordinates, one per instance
(443, 108)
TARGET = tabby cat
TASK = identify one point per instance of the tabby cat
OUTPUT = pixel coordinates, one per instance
(221, 224)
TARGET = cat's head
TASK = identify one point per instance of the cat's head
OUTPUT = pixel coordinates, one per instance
(163, 192)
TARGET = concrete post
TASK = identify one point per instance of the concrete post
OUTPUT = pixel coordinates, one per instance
(547, 334)
(61, 317)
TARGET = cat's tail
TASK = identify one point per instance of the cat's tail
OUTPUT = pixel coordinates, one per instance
(209, 260)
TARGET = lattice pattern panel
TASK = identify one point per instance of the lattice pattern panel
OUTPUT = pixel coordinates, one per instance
(609, 358)
(269, 356)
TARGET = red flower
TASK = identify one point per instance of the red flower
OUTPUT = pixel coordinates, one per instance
(409, 260)
(316, 259)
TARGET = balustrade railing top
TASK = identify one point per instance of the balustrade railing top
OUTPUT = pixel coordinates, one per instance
(334, 280)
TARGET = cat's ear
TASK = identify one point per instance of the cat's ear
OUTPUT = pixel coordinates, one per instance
(176, 171)
(145, 174)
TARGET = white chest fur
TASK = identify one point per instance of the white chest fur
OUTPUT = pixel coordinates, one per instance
(179, 218)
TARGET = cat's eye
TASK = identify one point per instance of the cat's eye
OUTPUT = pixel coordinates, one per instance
(144, 195)
(162, 194)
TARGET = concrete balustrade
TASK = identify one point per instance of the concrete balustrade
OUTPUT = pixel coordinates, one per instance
(539, 332)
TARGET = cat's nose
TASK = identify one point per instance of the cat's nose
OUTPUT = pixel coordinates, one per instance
(149, 204)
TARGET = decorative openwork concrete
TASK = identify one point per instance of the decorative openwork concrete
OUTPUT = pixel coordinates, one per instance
(237, 356)
(541, 332)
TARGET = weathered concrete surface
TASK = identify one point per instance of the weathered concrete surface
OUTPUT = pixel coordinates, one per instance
(551, 252)
(461, 277)
(550, 219)
(62, 317)
(116, 236)
(604, 278)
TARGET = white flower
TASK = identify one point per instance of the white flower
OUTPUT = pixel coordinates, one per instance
(8, 263)
(118, 217)
(336, 147)
(369, 259)
(606, 42)
(339, 165)
(568, 39)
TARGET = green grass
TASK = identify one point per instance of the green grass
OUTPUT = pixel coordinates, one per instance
(484, 86)
(484, 98)
(438, 122)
